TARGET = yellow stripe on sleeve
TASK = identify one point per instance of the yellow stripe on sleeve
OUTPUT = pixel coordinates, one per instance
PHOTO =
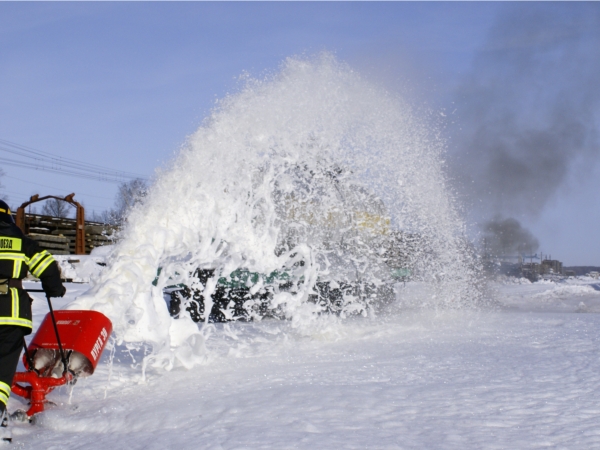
(43, 265)
(35, 259)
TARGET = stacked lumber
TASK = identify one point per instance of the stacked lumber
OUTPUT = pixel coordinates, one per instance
(57, 245)
(57, 235)
(95, 236)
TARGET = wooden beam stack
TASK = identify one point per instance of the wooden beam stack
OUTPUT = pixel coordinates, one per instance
(57, 235)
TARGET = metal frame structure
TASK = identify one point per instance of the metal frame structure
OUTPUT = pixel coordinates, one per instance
(80, 218)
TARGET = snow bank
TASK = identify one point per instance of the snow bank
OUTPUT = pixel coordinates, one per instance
(562, 291)
(421, 380)
(505, 279)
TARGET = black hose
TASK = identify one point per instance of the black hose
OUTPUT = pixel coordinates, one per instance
(60, 348)
(63, 358)
(28, 357)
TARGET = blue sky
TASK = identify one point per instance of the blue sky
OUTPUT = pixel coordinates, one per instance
(121, 85)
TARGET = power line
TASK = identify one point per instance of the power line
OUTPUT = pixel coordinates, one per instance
(27, 165)
(53, 187)
(79, 196)
(38, 154)
(6, 191)
(50, 163)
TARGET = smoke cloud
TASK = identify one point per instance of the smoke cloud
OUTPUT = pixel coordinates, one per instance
(507, 237)
(528, 111)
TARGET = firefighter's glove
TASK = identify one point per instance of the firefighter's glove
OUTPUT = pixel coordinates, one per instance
(58, 292)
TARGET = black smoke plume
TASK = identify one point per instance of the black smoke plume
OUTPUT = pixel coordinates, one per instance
(506, 237)
(529, 113)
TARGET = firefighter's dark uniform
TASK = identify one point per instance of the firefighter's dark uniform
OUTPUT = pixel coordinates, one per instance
(18, 255)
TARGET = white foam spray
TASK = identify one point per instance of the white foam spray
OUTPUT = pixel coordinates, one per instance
(257, 186)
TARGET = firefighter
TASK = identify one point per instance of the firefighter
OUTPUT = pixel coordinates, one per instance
(18, 255)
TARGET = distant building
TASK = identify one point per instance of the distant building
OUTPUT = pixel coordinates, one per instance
(531, 271)
(552, 266)
(524, 266)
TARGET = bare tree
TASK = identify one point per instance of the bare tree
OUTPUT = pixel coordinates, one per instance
(107, 217)
(56, 208)
(129, 194)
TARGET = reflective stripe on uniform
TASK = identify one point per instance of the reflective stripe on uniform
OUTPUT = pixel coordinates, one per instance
(14, 319)
(39, 270)
(17, 268)
(40, 262)
(14, 257)
(18, 259)
(35, 259)
(4, 392)
(18, 322)
(3, 398)
(15, 303)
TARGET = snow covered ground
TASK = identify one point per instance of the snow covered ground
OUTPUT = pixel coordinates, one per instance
(525, 375)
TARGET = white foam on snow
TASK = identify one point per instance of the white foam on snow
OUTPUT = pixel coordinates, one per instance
(216, 206)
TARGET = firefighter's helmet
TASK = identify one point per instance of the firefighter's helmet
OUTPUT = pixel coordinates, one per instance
(5, 214)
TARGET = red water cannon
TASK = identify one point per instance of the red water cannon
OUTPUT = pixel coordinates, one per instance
(67, 345)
